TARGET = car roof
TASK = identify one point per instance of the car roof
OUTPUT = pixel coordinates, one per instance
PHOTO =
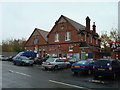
(106, 59)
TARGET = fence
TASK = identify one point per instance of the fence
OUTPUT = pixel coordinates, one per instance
(8, 53)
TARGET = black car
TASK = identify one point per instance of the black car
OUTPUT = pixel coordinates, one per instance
(38, 60)
(10, 58)
(106, 67)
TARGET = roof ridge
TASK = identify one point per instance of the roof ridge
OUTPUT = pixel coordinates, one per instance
(77, 25)
(72, 20)
(41, 30)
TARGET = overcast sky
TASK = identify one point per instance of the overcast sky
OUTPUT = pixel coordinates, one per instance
(18, 20)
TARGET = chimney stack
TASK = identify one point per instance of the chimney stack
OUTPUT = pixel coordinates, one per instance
(94, 27)
(87, 23)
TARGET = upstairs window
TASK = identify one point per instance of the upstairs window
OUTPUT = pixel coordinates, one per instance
(56, 37)
(62, 27)
(67, 36)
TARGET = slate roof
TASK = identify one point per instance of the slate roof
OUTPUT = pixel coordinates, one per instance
(43, 33)
(75, 24)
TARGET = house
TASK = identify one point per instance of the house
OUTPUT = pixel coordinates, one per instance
(37, 42)
(67, 39)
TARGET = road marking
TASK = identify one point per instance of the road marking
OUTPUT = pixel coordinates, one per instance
(20, 73)
(97, 81)
(69, 84)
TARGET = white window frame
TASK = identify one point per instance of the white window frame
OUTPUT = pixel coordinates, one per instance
(67, 36)
(56, 38)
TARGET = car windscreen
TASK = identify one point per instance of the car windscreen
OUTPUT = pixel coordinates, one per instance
(102, 62)
(50, 60)
(82, 62)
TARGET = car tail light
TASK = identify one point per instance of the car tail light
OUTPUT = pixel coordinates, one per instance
(73, 66)
(110, 68)
(84, 66)
(50, 64)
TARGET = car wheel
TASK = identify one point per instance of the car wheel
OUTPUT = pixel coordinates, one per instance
(17, 63)
(75, 73)
(56, 67)
(68, 65)
(14, 63)
(95, 76)
(23, 64)
(114, 76)
(46, 68)
(31, 64)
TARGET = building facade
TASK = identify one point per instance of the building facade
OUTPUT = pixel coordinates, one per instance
(67, 39)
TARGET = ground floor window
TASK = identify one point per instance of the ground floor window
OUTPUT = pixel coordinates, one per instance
(69, 55)
(64, 55)
(90, 55)
(52, 55)
(76, 55)
(83, 54)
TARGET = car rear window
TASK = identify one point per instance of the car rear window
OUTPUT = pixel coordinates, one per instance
(50, 60)
(82, 62)
(102, 62)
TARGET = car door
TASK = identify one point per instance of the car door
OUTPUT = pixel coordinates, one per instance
(91, 63)
(63, 63)
(18, 60)
(118, 61)
(59, 63)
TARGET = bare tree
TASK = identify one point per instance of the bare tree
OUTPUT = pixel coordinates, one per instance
(13, 45)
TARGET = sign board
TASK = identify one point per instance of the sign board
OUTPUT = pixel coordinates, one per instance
(115, 46)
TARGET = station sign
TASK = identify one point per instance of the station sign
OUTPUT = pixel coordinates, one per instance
(115, 46)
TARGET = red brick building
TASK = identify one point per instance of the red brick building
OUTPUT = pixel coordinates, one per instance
(66, 39)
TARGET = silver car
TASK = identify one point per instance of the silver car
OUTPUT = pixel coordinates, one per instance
(55, 63)
(22, 60)
(3, 58)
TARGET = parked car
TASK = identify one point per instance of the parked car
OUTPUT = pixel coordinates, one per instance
(106, 67)
(45, 58)
(10, 58)
(55, 63)
(22, 60)
(3, 58)
(27, 54)
(38, 60)
(73, 60)
(85, 66)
